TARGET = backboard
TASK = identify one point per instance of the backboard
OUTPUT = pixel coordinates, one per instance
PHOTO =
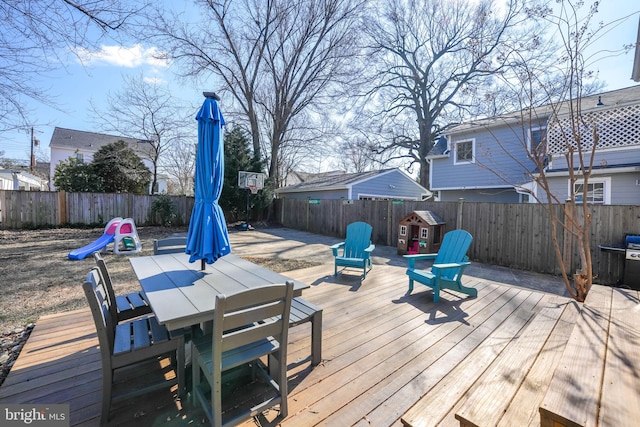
(250, 179)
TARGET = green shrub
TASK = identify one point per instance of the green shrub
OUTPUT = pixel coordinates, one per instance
(164, 209)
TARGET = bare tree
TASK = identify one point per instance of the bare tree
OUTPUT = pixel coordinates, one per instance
(572, 135)
(435, 65)
(146, 110)
(356, 155)
(179, 162)
(278, 59)
(35, 37)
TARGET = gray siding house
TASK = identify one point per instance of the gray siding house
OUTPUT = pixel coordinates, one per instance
(373, 185)
(487, 160)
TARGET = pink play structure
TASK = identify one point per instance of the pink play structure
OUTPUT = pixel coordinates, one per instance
(119, 231)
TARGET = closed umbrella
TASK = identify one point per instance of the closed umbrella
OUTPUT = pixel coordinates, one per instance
(208, 238)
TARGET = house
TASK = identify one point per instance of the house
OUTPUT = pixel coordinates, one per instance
(11, 179)
(487, 160)
(383, 184)
(67, 143)
(615, 177)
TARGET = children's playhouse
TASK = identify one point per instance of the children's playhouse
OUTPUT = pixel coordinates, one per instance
(420, 232)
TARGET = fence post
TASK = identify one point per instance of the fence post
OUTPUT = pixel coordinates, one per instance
(281, 203)
(389, 223)
(63, 211)
(459, 216)
(131, 208)
(2, 210)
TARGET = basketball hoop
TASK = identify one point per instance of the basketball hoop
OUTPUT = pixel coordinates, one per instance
(254, 189)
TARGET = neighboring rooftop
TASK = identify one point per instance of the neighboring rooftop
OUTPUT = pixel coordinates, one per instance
(331, 180)
(93, 141)
(600, 101)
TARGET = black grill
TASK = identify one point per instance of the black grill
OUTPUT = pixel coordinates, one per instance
(632, 262)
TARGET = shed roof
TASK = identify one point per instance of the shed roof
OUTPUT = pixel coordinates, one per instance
(332, 181)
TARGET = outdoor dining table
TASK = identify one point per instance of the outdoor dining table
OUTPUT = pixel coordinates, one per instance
(181, 295)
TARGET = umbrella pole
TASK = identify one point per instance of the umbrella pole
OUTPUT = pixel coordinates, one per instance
(202, 264)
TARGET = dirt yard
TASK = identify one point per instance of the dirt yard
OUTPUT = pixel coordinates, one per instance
(37, 278)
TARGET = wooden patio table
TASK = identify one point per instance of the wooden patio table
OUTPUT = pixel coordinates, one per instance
(181, 295)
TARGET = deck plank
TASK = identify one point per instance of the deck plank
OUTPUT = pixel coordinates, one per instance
(365, 366)
(470, 359)
(432, 337)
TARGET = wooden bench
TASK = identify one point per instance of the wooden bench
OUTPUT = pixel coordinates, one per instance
(303, 311)
(597, 382)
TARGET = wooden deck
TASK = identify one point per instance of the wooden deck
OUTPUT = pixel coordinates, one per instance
(389, 358)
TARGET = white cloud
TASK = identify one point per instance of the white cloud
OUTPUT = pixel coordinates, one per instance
(121, 56)
(154, 80)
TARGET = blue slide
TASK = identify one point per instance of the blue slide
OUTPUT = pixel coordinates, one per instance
(92, 247)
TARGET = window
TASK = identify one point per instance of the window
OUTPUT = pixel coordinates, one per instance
(403, 230)
(424, 233)
(80, 157)
(464, 151)
(536, 137)
(598, 191)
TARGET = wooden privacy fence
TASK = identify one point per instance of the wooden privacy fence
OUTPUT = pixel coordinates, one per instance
(35, 209)
(511, 235)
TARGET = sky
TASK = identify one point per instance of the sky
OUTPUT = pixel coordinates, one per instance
(74, 87)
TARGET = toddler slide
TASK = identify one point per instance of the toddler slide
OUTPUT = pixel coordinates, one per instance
(92, 247)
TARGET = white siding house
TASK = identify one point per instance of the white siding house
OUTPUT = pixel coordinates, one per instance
(20, 180)
(67, 143)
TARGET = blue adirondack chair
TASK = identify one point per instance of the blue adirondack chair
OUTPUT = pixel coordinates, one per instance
(447, 268)
(355, 251)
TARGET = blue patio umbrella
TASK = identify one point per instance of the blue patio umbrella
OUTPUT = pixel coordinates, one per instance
(208, 238)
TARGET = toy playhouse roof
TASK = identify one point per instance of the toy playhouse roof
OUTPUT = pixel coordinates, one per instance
(424, 216)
